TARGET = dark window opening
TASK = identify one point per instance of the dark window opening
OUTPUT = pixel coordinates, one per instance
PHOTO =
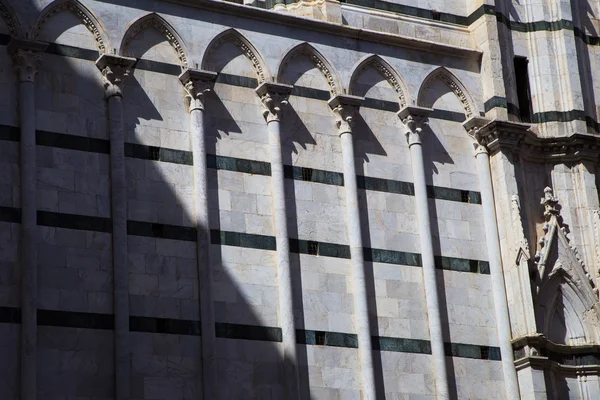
(307, 174)
(485, 352)
(320, 338)
(523, 91)
(464, 196)
(154, 153)
(437, 16)
(313, 247)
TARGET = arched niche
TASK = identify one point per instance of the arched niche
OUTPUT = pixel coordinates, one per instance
(151, 37)
(448, 151)
(69, 22)
(9, 22)
(235, 108)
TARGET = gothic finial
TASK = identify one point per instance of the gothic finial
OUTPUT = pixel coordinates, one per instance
(550, 203)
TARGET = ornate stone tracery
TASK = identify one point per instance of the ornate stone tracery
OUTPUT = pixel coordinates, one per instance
(386, 71)
(453, 84)
(7, 14)
(78, 10)
(238, 40)
(155, 21)
(305, 49)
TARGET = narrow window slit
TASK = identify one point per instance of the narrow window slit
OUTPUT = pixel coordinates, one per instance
(320, 338)
(307, 174)
(313, 248)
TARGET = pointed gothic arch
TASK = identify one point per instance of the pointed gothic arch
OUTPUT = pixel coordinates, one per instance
(387, 71)
(335, 86)
(10, 19)
(86, 17)
(246, 47)
(454, 84)
(155, 21)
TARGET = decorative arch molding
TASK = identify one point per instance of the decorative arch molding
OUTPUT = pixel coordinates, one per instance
(155, 21)
(320, 62)
(454, 84)
(387, 71)
(246, 47)
(78, 10)
(10, 18)
(563, 283)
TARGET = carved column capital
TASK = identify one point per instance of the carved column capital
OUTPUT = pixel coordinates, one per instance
(196, 83)
(345, 108)
(415, 119)
(273, 97)
(114, 70)
(27, 56)
(473, 126)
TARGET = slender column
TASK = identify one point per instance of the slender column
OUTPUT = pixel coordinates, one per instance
(490, 224)
(415, 119)
(26, 58)
(114, 70)
(274, 96)
(196, 84)
(344, 107)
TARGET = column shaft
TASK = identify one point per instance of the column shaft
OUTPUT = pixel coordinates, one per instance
(119, 243)
(361, 309)
(286, 306)
(29, 259)
(429, 273)
(207, 315)
(497, 277)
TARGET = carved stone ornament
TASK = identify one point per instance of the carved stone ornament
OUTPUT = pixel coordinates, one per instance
(444, 76)
(474, 127)
(245, 47)
(77, 10)
(196, 83)
(8, 16)
(521, 243)
(391, 78)
(273, 97)
(345, 107)
(27, 56)
(114, 70)
(154, 21)
(415, 119)
(308, 51)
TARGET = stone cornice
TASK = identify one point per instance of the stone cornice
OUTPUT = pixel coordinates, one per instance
(244, 11)
(538, 351)
(518, 138)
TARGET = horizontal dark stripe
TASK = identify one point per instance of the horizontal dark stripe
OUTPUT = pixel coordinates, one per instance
(10, 214)
(10, 133)
(74, 221)
(73, 52)
(157, 66)
(72, 142)
(558, 116)
(323, 338)
(162, 154)
(162, 231)
(239, 239)
(247, 332)
(496, 101)
(313, 175)
(238, 165)
(416, 346)
(237, 80)
(71, 319)
(164, 325)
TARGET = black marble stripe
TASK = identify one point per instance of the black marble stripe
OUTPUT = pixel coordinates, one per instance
(74, 221)
(162, 154)
(247, 332)
(10, 133)
(72, 142)
(247, 240)
(71, 51)
(238, 165)
(10, 214)
(161, 231)
(85, 320)
(72, 319)
(164, 325)
(157, 66)
(558, 116)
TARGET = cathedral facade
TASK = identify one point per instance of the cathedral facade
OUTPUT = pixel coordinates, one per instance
(303, 200)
